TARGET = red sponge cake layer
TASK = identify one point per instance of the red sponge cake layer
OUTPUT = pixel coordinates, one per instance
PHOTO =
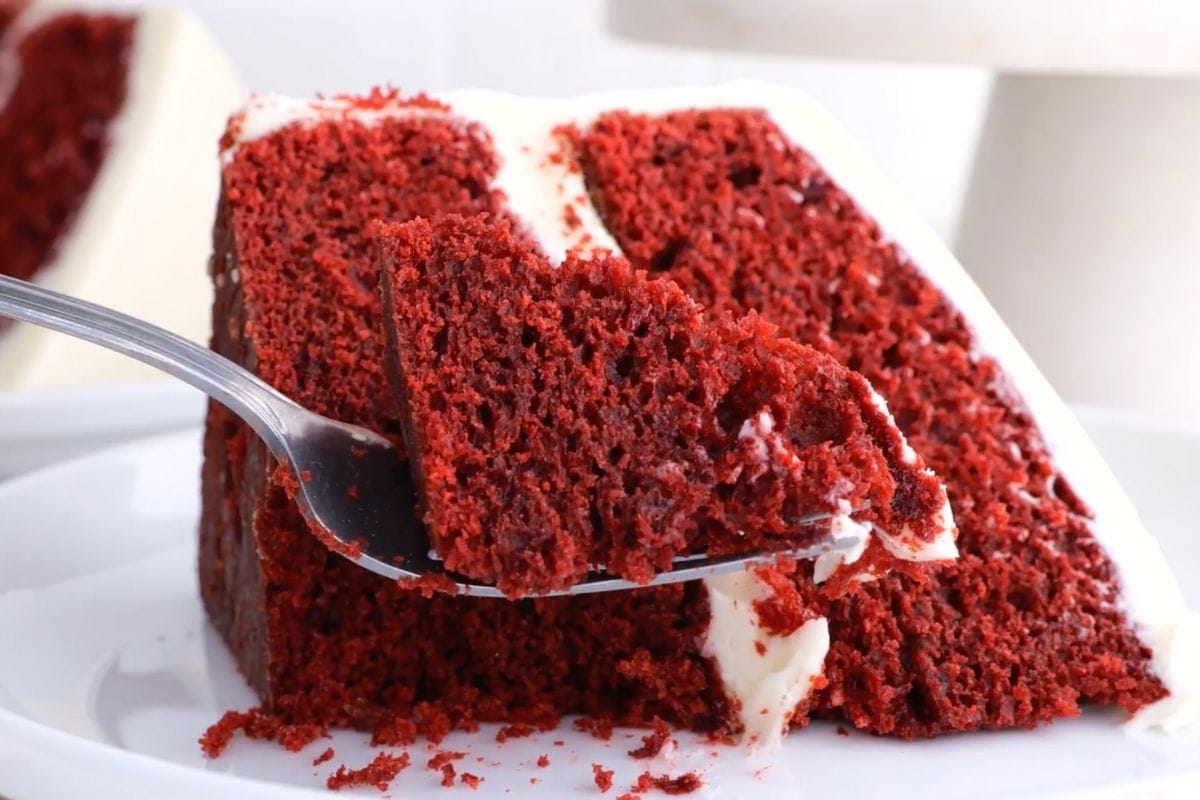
(1026, 624)
(560, 419)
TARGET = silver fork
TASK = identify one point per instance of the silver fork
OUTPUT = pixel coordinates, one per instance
(352, 486)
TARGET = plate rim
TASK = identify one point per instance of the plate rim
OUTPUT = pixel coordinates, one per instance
(108, 759)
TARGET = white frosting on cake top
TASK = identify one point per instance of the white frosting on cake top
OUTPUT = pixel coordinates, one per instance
(537, 188)
(537, 182)
(141, 240)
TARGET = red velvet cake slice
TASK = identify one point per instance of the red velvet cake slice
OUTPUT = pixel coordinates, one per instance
(560, 420)
(107, 122)
(751, 199)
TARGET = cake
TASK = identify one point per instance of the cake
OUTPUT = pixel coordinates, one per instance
(750, 199)
(560, 419)
(107, 174)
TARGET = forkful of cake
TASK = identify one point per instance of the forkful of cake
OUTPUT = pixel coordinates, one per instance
(568, 430)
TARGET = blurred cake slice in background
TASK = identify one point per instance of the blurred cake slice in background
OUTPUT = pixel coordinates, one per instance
(108, 129)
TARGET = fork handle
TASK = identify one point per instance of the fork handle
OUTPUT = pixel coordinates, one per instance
(260, 405)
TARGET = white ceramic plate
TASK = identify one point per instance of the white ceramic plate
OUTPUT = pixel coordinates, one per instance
(45, 427)
(109, 673)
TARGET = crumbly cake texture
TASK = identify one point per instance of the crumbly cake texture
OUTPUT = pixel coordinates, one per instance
(563, 418)
(320, 639)
(380, 773)
(1022, 629)
(1026, 625)
(69, 85)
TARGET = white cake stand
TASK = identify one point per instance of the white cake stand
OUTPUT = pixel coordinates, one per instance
(1082, 219)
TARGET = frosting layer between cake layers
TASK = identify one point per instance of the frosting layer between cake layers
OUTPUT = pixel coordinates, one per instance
(140, 238)
(545, 188)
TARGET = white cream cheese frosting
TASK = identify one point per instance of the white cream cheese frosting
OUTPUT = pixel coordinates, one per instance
(768, 675)
(141, 240)
(537, 187)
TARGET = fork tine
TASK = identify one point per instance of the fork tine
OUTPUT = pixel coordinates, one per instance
(694, 568)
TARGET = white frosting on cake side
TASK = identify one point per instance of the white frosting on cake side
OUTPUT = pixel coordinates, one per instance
(521, 129)
(141, 240)
(769, 675)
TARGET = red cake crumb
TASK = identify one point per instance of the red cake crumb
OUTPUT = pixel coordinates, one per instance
(571, 218)
(786, 609)
(380, 98)
(514, 732)
(603, 777)
(543, 760)
(258, 724)
(683, 784)
(287, 478)
(448, 774)
(429, 585)
(326, 755)
(471, 780)
(427, 720)
(629, 796)
(382, 770)
(601, 729)
(841, 731)
(218, 736)
(396, 731)
(652, 744)
(562, 147)
(442, 758)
